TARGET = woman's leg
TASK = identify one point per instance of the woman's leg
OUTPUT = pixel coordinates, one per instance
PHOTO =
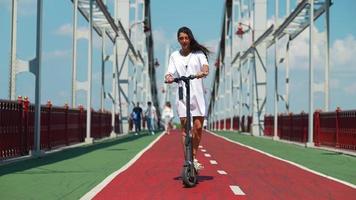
(183, 121)
(169, 125)
(166, 125)
(197, 133)
(165, 120)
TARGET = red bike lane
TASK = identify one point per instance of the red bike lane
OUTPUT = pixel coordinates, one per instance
(230, 171)
(264, 177)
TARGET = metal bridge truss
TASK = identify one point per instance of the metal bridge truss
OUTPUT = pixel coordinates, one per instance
(243, 67)
(139, 50)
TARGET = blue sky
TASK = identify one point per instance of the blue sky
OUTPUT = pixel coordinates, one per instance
(204, 17)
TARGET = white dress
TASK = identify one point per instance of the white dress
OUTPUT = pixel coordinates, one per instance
(167, 116)
(177, 67)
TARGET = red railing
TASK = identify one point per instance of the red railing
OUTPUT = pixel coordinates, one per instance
(101, 124)
(12, 141)
(228, 124)
(246, 123)
(60, 126)
(221, 123)
(249, 124)
(325, 128)
(334, 129)
(293, 127)
(236, 123)
(269, 125)
(243, 126)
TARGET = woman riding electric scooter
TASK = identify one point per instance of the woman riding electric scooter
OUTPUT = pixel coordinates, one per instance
(191, 59)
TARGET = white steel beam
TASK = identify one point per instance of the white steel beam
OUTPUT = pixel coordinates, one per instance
(37, 139)
(311, 78)
(12, 81)
(88, 138)
(122, 13)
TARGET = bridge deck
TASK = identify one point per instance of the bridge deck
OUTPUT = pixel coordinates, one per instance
(72, 173)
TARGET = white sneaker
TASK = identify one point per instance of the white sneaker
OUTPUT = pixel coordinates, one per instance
(152, 133)
(198, 166)
(136, 133)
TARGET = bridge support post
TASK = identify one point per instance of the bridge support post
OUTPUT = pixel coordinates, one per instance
(259, 84)
(122, 8)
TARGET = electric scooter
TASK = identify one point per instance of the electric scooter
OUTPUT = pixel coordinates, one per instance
(189, 173)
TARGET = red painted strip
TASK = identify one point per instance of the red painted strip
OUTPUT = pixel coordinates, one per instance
(156, 175)
(262, 177)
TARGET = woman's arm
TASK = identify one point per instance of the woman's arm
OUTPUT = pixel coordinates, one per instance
(204, 71)
(169, 78)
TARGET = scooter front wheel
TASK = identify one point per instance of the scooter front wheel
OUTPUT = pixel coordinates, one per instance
(189, 176)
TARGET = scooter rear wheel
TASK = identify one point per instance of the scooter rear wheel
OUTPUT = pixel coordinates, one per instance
(189, 177)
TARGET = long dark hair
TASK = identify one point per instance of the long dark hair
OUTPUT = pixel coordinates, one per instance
(194, 45)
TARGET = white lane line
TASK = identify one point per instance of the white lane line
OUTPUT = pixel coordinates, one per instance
(213, 162)
(203, 150)
(287, 161)
(91, 194)
(236, 190)
(222, 172)
(200, 147)
(207, 155)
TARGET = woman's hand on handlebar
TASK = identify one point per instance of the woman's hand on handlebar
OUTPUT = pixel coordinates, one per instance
(169, 78)
(201, 74)
(204, 72)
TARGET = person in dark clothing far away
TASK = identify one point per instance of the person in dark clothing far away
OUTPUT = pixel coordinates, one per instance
(137, 116)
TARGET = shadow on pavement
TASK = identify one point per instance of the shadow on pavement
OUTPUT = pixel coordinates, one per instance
(200, 178)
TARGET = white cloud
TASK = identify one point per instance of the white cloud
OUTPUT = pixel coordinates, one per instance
(343, 52)
(57, 54)
(67, 30)
(161, 40)
(342, 61)
(342, 65)
(299, 50)
(82, 33)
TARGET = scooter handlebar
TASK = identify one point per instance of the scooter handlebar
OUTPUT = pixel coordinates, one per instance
(183, 78)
